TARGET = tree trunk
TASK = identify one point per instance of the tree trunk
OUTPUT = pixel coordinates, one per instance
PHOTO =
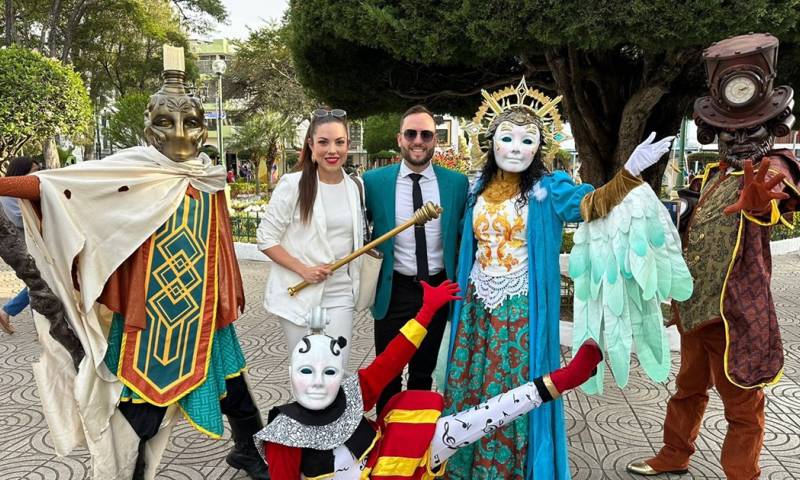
(72, 26)
(10, 20)
(258, 177)
(55, 18)
(43, 300)
(50, 153)
(89, 152)
(610, 100)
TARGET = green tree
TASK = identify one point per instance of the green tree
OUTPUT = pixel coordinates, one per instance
(126, 125)
(623, 67)
(120, 47)
(380, 132)
(39, 98)
(263, 73)
(562, 160)
(53, 26)
(261, 137)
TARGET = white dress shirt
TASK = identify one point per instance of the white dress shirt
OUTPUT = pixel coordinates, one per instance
(405, 259)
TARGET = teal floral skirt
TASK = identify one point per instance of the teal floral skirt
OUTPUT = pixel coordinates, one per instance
(490, 356)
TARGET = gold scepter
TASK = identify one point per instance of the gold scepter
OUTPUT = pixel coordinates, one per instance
(426, 213)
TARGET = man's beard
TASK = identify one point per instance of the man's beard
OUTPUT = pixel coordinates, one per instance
(406, 153)
(754, 152)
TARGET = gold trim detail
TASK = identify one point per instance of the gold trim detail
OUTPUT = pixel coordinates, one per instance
(414, 332)
(551, 387)
(521, 96)
(412, 416)
(725, 320)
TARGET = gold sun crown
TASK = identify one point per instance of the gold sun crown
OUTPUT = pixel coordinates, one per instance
(524, 98)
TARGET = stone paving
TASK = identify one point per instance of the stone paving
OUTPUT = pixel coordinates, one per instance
(605, 433)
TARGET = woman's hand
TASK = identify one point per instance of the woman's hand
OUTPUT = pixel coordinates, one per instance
(314, 274)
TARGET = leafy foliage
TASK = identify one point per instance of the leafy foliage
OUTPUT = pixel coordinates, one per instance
(263, 73)
(623, 67)
(782, 232)
(120, 47)
(126, 125)
(380, 132)
(262, 135)
(452, 160)
(39, 97)
(562, 160)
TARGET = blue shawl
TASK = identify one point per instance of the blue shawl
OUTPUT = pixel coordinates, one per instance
(553, 201)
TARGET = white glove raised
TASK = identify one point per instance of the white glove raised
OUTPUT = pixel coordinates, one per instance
(647, 153)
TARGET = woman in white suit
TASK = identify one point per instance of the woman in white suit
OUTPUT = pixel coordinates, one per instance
(314, 217)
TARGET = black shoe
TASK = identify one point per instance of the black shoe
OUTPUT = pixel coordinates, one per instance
(244, 455)
(141, 466)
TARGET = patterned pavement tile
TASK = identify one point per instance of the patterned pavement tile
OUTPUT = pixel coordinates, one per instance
(605, 432)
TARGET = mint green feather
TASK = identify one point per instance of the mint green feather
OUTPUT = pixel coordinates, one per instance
(625, 265)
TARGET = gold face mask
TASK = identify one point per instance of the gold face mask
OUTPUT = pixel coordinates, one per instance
(174, 120)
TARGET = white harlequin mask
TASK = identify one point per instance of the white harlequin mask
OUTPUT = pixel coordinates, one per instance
(317, 371)
(515, 146)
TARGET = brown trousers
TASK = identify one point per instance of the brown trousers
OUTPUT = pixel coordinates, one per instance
(702, 366)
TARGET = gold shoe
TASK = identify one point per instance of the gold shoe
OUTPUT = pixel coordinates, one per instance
(643, 468)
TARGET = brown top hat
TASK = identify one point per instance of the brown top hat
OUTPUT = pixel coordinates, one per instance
(740, 73)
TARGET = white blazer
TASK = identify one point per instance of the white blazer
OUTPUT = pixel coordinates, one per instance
(307, 242)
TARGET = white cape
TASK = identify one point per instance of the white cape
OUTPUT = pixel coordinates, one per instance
(99, 212)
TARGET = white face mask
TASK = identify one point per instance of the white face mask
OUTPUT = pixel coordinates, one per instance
(316, 371)
(515, 146)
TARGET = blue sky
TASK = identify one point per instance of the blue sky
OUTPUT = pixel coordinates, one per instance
(252, 14)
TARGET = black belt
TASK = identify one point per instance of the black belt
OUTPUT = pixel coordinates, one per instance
(434, 279)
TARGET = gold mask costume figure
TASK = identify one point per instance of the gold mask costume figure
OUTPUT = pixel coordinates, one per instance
(155, 293)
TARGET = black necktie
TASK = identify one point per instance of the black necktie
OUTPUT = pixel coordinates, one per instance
(419, 230)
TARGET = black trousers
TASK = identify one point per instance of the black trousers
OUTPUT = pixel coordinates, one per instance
(146, 419)
(405, 302)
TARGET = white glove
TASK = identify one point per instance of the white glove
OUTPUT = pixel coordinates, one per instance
(647, 153)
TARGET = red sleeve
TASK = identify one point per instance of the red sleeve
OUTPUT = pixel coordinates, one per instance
(25, 187)
(283, 462)
(386, 366)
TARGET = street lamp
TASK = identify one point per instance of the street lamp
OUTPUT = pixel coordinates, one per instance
(219, 66)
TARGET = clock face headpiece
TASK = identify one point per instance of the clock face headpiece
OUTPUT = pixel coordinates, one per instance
(741, 71)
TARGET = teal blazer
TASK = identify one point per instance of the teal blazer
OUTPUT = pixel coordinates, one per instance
(380, 189)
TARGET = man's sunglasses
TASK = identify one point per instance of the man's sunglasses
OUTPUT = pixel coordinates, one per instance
(410, 135)
(322, 113)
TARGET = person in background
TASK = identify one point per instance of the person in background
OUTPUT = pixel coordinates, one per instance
(17, 166)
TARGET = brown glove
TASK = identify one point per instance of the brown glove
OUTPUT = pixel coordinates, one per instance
(757, 194)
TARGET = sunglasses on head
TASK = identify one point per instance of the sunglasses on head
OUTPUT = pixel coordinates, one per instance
(322, 113)
(410, 135)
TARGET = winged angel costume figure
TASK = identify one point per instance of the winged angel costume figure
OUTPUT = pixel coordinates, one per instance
(627, 259)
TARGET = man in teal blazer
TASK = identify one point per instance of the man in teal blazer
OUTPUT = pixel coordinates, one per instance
(420, 253)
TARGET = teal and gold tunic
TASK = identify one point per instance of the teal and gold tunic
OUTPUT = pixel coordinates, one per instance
(181, 355)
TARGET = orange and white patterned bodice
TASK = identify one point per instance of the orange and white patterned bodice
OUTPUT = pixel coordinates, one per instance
(500, 229)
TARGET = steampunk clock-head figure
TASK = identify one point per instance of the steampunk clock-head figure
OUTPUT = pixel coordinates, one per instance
(175, 119)
(743, 109)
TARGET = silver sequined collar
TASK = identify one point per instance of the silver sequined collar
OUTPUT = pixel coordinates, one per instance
(291, 433)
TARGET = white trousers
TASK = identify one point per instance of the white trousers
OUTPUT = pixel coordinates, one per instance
(341, 325)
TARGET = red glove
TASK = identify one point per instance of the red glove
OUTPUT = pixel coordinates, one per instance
(434, 298)
(582, 366)
(756, 194)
